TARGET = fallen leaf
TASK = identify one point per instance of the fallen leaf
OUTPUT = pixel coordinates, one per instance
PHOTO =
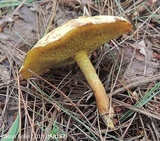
(63, 15)
(142, 63)
(4, 75)
(73, 3)
(142, 9)
(141, 46)
(141, 49)
(17, 34)
(139, 69)
(4, 20)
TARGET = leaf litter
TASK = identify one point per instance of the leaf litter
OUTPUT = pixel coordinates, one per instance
(126, 81)
(142, 63)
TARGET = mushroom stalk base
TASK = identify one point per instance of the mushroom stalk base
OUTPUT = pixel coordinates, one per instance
(102, 98)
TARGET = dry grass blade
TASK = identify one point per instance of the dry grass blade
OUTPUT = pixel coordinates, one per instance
(139, 110)
(58, 90)
(137, 83)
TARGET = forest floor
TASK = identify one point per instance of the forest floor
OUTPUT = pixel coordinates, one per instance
(36, 109)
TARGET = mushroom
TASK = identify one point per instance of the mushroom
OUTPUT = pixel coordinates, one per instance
(73, 42)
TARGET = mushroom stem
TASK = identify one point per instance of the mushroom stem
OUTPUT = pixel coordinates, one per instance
(101, 97)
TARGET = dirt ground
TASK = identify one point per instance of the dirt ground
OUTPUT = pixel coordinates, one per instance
(59, 104)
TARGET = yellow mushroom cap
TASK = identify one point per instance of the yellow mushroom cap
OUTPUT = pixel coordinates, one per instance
(59, 46)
